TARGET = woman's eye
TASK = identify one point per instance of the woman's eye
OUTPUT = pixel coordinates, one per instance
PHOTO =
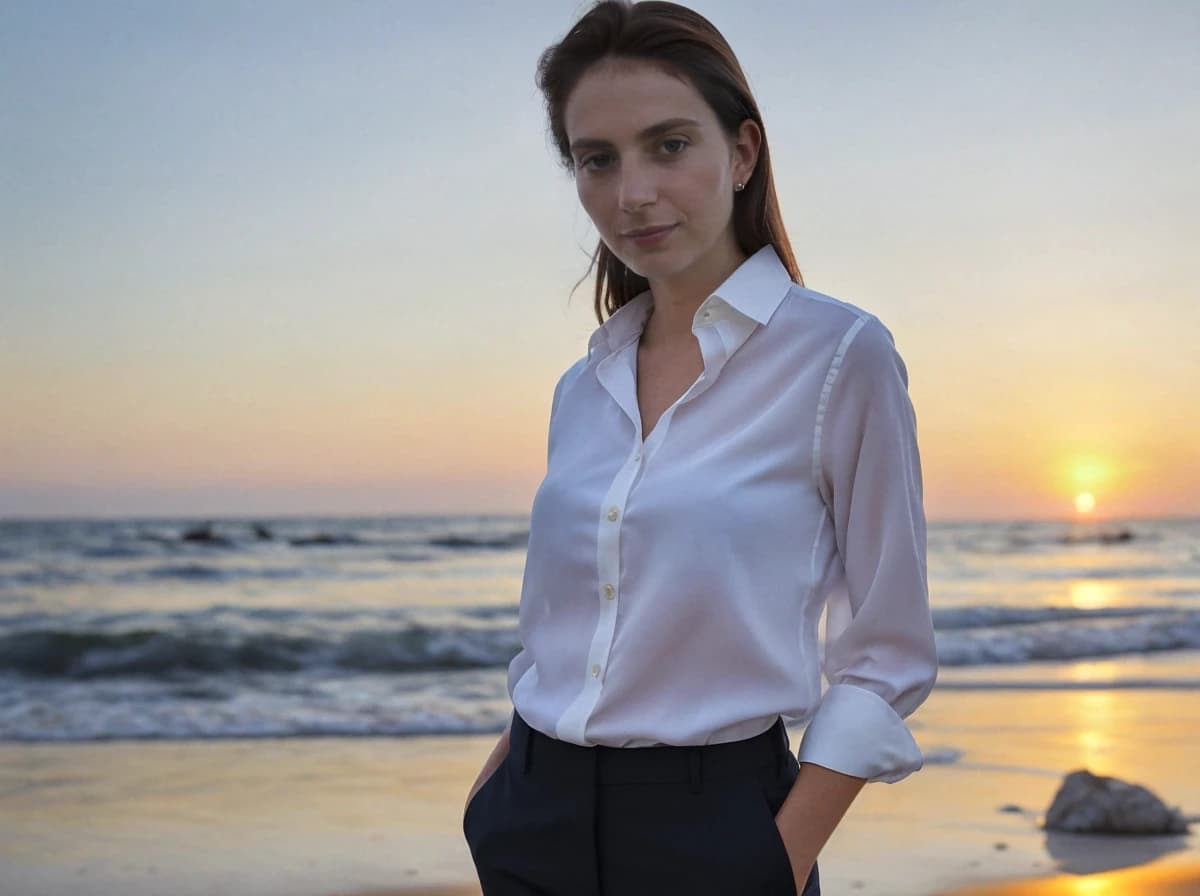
(587, 163)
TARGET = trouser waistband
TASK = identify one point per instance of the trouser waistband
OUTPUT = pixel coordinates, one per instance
(661, 763)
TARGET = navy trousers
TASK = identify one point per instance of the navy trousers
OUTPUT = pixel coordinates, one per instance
(558, 819)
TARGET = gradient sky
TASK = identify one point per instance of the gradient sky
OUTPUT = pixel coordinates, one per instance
(295, 257)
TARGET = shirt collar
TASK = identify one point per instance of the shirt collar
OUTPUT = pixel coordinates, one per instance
(754, 290)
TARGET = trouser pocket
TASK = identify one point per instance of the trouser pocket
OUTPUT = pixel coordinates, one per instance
(480, 794)
(773, 790)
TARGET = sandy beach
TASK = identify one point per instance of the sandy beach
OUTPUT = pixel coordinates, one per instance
(373, 816)
(1168, 880)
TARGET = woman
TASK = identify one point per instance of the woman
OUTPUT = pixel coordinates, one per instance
(735, 454)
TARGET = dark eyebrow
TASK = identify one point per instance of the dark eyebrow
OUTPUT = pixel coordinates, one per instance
(653, 131)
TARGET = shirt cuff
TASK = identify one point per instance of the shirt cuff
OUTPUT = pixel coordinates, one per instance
(856, 732)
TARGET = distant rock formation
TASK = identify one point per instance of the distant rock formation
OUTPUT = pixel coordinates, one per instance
(1114, 536)
(304, 541)
(511, 540)
(1095, 804)
(204, 534)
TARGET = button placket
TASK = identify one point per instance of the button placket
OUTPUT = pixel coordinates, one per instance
(608, 566)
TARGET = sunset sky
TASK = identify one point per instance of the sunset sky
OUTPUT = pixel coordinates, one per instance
(299, 257)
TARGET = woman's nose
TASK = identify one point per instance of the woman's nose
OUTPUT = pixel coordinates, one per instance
(637, 188)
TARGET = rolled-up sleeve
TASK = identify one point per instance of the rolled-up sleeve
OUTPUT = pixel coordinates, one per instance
(880, 655)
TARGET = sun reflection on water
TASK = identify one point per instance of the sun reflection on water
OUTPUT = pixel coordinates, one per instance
(1092, 595)
(1095, 722)
(1092, 886)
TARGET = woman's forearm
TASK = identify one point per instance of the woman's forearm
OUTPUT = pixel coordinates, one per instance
(813, 809)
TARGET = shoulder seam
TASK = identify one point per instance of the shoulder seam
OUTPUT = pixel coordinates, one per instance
(831, 375)
(849, 307)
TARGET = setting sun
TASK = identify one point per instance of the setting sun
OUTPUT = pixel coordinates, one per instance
(1086, 476)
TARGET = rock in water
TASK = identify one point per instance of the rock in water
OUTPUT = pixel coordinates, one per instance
(1095, 804)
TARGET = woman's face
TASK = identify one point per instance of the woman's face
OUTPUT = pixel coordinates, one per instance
(630, 174)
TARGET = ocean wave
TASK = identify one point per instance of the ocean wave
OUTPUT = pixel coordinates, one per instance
(1070, 640)
(1001, 539)
(271, 707)
(1035, 684)
(211, 539)
(152, 651)
(506, 541)
(992, 615)
(111, 552)
(1132, 573)
(202, 572)
(46, 577)
(231, 641)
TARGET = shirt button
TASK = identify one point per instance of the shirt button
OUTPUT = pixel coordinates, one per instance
(705, 314)
(612, 513)
(596, 671)
(609, 591)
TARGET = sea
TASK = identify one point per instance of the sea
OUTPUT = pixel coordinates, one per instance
(397, 626)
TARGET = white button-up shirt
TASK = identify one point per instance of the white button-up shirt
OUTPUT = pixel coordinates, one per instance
(673, 590)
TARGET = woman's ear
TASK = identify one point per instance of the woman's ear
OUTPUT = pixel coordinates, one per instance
(746, 147)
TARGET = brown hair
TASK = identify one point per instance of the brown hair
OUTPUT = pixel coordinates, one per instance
(684, 43)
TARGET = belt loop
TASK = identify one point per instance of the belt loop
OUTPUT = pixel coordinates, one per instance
(527, 758)
(778, 742)
(694, 769)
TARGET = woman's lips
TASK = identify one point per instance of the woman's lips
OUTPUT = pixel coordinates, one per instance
(654, 237)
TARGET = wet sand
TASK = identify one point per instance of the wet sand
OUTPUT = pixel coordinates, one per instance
(359, 816)
(1171, 880)
(1182, 880)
